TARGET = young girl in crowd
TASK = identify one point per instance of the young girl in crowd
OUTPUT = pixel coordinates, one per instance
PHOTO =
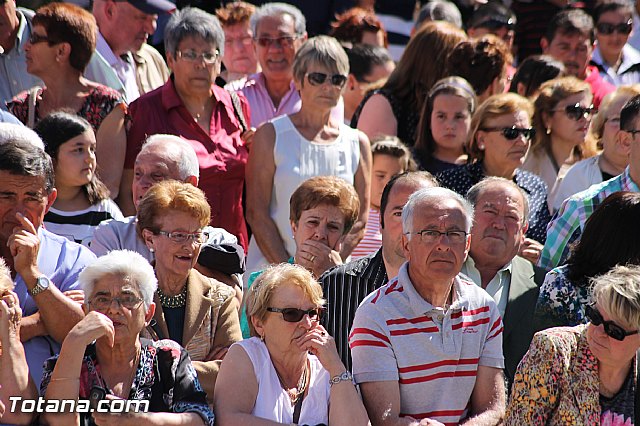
(444, 125)
(390, 157)
(83, 200)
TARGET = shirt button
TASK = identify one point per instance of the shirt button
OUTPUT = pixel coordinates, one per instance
(440, 317)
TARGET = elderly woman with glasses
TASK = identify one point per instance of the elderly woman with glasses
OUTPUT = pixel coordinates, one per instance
(206, 116)
(198, 312)
(585, 374)
(293, 148)
(104, 357)
(290, 370)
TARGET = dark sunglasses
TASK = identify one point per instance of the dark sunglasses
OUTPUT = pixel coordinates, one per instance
(285, 41)
(496, 24)
(576, 112)
(608, 29)
(318, 79)
(512, 133)
(295, 314)
(37, 38)
(612, 329)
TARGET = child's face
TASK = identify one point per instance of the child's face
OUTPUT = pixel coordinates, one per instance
(384, 168)
(450, 122)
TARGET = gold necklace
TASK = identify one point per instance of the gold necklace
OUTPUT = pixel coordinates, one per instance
(301, 387)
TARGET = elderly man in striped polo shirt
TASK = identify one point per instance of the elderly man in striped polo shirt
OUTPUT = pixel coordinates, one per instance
(427, 347)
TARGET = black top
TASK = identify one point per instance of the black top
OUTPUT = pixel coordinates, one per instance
(174, 318)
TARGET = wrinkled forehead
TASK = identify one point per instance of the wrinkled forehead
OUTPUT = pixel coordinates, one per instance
(439, 211)
(501, 198)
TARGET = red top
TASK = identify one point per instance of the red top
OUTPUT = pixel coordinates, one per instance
(222, 154)
(599, 87)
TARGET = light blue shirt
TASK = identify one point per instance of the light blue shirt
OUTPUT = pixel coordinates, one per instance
(498, 287)
(628, 72)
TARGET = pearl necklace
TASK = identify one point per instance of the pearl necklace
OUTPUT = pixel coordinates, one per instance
(177, 301)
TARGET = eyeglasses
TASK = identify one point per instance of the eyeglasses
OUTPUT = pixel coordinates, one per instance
(37, 38)
(128, 301)
(512, 133)
(497, 23)
(318, 79)
(295, 314)
(633, 132)
(607, 29)
(209, 58)
(430, 236)
(181, 237)
(284, 41)
(612, 329)
(244, 41)
(577, 111)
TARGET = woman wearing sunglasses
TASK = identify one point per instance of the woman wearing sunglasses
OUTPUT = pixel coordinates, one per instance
(610, 238)
(617, 62)
(498, 142)
(563, 111)
(585, 374)
(198, 312)
(293, 148)
(289, 371)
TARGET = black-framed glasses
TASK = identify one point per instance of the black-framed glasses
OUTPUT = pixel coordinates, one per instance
(209, 58)
(632, 131)
(284, 41)
(577, 111)
(430, 236)
(495, 23)
(37, 38)
(512, 133)
(318, 79)
(128, 301)
(612, 329)
(181, 237)
(295, 314)
(607, 28)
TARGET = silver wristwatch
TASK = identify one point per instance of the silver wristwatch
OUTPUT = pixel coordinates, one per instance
(42, 284)
(343, 377)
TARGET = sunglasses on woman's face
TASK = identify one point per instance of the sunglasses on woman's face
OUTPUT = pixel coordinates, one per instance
(577, 111)
(318, 79)
(512, 133)
(607, 28)
(296, 315)
(612, 329)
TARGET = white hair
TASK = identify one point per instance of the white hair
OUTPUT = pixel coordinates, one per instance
(438, 194)
(6, 282)
(128, 264)
(177, 150)
(10, 132)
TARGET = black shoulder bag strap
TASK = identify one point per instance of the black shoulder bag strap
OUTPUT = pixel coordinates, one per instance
(298, 408)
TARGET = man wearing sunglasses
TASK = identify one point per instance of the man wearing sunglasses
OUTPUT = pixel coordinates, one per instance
(617, 61)
(569, 39)
(427, 346)
(568, 223)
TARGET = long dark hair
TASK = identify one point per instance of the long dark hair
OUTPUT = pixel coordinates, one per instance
(611, 237)
(58, 128)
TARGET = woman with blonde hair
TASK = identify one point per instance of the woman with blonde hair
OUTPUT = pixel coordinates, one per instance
(614, 156)
(563, 111)
(395, 109)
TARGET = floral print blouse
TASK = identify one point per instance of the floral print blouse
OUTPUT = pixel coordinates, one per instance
(165, 377)
(561, 302)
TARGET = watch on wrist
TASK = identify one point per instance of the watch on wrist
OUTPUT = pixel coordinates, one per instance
(42, 284)
(343, 377)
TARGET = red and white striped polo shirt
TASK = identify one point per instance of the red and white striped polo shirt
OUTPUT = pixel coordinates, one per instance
(398, 336)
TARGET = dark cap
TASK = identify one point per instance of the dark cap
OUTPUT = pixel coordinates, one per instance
(152, 7)
(225, 258)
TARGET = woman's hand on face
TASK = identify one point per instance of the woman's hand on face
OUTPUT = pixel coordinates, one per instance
(92, 327)
(10, 317)
(317, 257)
(531, 250)
(317, 341)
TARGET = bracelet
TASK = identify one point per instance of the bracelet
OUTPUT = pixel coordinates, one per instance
(62, 379)
(343, 377)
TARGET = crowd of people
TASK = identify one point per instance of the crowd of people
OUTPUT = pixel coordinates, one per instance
(407, 212)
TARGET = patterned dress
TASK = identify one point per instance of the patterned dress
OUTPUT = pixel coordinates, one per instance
(165, 378)
(561, 302)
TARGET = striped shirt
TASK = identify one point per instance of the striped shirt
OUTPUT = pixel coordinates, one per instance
(344, 287)
(372, 239)
(568, 223)
(399, 336)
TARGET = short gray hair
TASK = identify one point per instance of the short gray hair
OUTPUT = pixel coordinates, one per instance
(276, 9)
(618, 293)
(6, 282)
(129, 265)
(17, 132)
(177, 150)
(426, 195)
(492, 181)
(439, 10)
(322, 50)
(192, 22)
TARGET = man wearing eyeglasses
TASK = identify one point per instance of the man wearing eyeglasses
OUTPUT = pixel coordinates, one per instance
(427, 347)
(617, 61)
(569, 39)
(500, 221)
(568, 223)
